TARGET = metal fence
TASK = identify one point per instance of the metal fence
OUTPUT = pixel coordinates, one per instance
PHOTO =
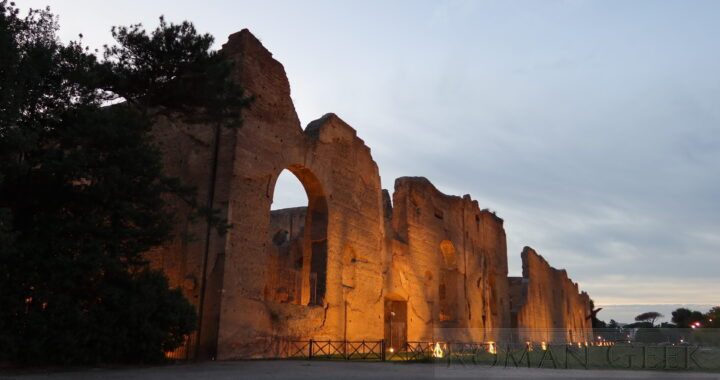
(700, 344)
(376, 350)
(362, 350)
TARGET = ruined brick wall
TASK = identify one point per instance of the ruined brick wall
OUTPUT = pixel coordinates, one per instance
(448, 260)
(286, 235)
(546, 304)
(353, 264)
(244, 311)
(195, 255)
(343, 229)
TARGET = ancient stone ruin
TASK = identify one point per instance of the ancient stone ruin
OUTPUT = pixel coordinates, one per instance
(355, 264)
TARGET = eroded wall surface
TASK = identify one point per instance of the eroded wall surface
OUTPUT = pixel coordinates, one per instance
(343, 232)
(194, 259)
(449, 261)
(546, 305)
(353, 262)
(284, 281)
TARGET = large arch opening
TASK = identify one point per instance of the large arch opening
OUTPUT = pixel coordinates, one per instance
(297, 235)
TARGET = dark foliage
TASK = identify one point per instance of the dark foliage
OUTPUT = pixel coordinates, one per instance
(172, 70)
(712, 317)
(82, 193)
(595, 322)
(649, 317)
(683, 317)
(642, 325)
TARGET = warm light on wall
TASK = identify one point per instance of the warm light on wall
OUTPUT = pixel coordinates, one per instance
(543, 345)
(492, 348)
(437, 351)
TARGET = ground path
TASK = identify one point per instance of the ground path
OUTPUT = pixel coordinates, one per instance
(291, 369)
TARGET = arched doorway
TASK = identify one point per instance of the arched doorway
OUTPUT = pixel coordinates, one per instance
(297, 248)
(395, 330)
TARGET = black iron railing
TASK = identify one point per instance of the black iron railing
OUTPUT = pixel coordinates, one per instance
(411, 351)
(362, 350)
(331, 349)
(374, 350)
(702, 353)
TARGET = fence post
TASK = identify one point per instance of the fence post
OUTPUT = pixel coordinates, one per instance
(310, 350)
(382, 348)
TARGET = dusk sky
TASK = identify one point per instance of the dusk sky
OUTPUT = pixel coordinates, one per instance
(591, 127)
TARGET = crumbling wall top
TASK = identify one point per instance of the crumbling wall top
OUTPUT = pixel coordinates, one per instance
(424, 185)
(263, 78)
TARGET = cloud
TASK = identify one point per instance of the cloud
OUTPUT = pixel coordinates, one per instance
(598, 147)
(614, 289)
(592, 130)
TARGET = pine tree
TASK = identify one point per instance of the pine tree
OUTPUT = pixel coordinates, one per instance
(82, 191)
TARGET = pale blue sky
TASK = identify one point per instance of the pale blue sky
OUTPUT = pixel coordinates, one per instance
(591, 127)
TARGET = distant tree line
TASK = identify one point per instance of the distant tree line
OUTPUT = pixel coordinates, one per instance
(681, 318)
